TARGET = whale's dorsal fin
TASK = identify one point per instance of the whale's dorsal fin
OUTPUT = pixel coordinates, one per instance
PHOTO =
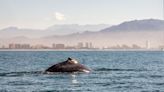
(73, 61)
(69, 58)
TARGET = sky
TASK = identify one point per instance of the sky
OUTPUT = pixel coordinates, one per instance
(40, 14)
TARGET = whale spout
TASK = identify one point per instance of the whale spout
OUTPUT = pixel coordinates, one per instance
(70, 65)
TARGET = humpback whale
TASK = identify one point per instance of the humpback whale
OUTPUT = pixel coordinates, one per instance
(70, 65)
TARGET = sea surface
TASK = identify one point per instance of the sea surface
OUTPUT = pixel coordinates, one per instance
(112, 71)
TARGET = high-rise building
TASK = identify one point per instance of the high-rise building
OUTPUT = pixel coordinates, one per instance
(134, 46)
(25, 46)
(86, 45)
(59, 46)
(147, 44)
(80, 45)
(19, 46)
(90, 45)
(11, 46)
(53, 45)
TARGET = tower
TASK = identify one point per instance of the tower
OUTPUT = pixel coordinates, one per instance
(147, 44)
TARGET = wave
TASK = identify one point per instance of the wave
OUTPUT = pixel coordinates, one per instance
(109, 69)
(22, 73)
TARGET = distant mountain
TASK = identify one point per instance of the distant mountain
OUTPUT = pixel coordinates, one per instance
(66, 29)
(129, 33)
(132, 32)
(12, 28)
(11, 32)
(138, 25)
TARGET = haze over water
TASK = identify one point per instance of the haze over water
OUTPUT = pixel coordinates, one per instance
(41, 22)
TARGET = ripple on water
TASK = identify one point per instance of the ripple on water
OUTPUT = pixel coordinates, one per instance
(109, 69)
(112, 72)
(16, 74)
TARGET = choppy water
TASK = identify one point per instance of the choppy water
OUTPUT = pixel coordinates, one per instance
(112, 72)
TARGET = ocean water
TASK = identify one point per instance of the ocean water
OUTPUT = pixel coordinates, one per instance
(112, 71)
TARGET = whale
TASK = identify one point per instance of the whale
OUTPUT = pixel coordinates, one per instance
(70, 65)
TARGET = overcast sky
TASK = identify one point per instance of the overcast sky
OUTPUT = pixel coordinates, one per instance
(40, 14)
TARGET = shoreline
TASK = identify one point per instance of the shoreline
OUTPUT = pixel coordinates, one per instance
(81, 50)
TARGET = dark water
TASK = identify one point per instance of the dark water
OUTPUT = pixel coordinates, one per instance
(112, 72)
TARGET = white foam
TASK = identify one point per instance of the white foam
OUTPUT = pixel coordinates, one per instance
(86, 71)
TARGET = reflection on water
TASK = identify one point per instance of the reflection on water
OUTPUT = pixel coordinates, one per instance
(74, 80)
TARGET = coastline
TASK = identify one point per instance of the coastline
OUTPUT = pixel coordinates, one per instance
(81, 50)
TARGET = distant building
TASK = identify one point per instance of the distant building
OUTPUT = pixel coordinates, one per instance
(161, 47)
(19, 46)
(3, 47)
(87, 45)
(115, 47)
(134, 46)
(125, 46)
(39, 46)
(80, 45)
(70, 47)
(90, 45)
(11, 46)
(54, 46)
(25, 46)
(59, 46)
(147, 45)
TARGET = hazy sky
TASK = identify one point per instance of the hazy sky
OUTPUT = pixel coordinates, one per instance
(40, 14)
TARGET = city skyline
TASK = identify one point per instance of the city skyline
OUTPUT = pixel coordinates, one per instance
(79, 45)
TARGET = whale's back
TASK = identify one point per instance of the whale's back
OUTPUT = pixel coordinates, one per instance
(67, 67)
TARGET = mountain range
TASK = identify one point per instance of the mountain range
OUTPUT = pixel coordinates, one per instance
(63, 29)
(138, 25)
(131, 32)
